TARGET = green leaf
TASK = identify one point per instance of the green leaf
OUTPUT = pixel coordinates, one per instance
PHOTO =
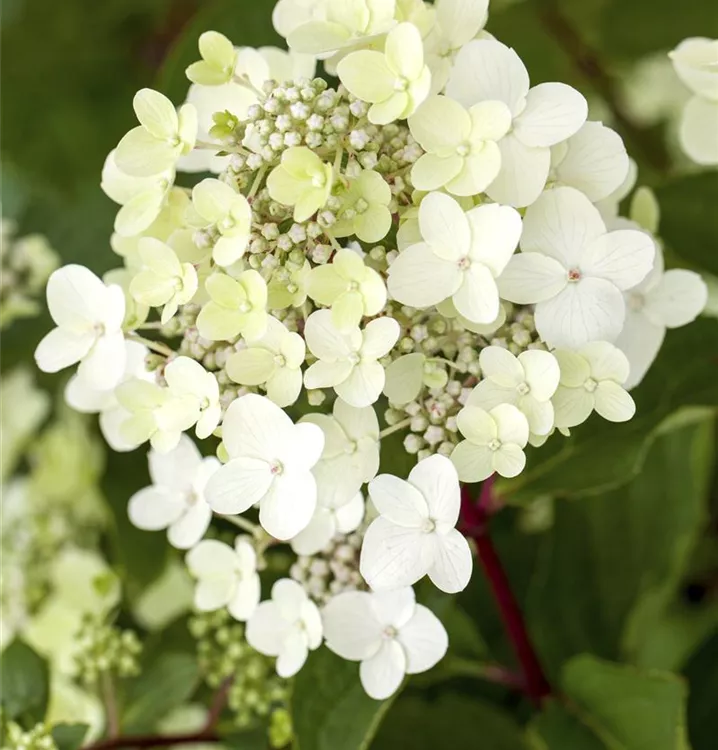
(456, 721)
(625, 708)
(610, 564)
(662, 25)
(702, 675)
(23, 683)
(69, 736)
(688, 223)
(330, 710)
(167, 683)
(601, 455)
(556, 727)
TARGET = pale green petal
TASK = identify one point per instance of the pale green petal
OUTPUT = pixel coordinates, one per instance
(613, 403)
(140, 154)
(156, 113)
(283, 187)
(373, 187)
(212, 199)
(432, 172)
(136, 394)
(216, 49)
(228, 250)
(190, 283)
(440, 124)
(284, 386)
(404, 378)
(477, 172)
(473, 463)
(255, 287)
(318, 37)
(490, 121)
(367, 75)
(575, 369)
(139, 212)
(325, 284)
(159, 258)
(347, 310)
(204, 74)
(374, 292)
(224, 290)
(217, 323)
(374, 224)
(254, 325)
(477, 425)
(252, 366)
(393, 108)
(188, 125)
(310, 202)
(293, 349)
(301, 162)
(149, 289)
(404, 51)
(168, 312)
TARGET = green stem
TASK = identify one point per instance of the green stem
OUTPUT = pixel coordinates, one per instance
(242, 523)
(395, 428)
(257, 182)
(155, 346)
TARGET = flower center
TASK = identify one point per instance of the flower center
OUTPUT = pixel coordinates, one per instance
(351, 448)
(292, 288)
(354, 358)
(401, 84)
(226, 223)
(390, 632)
(279, 360)
(590, 385)
(276, 468)
(463, 150)
(523, 388)
(428, 525)
(319, 180)
(465, 263)
(361, 206)
(636, 301)
(574, 274)
(352, 286)
(244, 307)
(495, 444)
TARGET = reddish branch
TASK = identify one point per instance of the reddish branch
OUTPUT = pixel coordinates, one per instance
(475, 517)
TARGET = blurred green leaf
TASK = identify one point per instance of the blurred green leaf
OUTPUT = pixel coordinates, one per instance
(556, 727)
(69, 736)
(23, 684)
(457, 721)
(611, 563)
(167, 683)
(330, 710)
(702, 674)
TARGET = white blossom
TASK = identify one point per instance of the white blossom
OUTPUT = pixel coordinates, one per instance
(89, 316)
(395, 81)
(301, 180)
(288, 627)
(542, 116)
(527, 381)
(270, 463)
(175, 501)
(365, 208)
(664, 299)
(414, 534)
(226, 577)
(573, 270)
(328, 521)
(592, 379)
(347, 360)
(461, 256)
(187, 379)
(236, 307)
(388, 632)
(494, 442)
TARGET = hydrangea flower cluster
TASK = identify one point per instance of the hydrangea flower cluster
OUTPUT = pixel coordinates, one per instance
(431, 249)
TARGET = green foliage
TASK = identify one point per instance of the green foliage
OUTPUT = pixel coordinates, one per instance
(69, 736)
(702, 675)
(330, 710)
(168, 682)
(23, 684)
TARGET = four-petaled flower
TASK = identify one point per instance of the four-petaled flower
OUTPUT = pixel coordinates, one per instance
(301, 180)
(236, 307)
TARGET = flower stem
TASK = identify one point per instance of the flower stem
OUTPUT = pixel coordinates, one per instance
(155, 346)
(475, 517)
(495, 673)
(107, 687)
(242, 523)
(257, 182)
(395, 428)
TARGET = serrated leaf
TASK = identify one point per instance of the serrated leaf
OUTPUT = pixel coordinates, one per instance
(167, 683)
(23, 683)
(330, 710)
(69, 736)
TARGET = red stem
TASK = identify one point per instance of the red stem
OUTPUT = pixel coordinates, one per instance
(475, 516)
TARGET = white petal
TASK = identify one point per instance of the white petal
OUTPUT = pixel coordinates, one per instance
(61, 348)
(87, 400)
(488, 394)
(325, 340)
(431, 171)
(381, 675)
(357, 423)
(398, 501)
(289, 505)
(104, 365)
(284, 386)
(473, 462)
(572, 406)
(154, 508)
(553, 113)
(538, 413)
(238, 485)
(623, 257)
(477, 172)
(435, 477)
(698, 128)
(404, 378)
(640, 340)
(176, 469)
(461, 20)
(542, 373)
(444, 225)
(511, 424)
(606, 361)
(75, 297)
(560, 224)
(327, 374)
(486, 69)
(418, 277)
(530, 278)
(379, 336)
(246, 599)
(156, 113)
(477, 299)
(523, 174)
(440, 122)
(363, 386)
(393, 556)
(678, 299)
(424, 639)
(305, 448)
(453, 562)
(267, 629)
(210, 559)
(501, 366)
(187, 530)
(509, 460)
(588, 310)
(214, 593)
(613, 403)
(350, 515)
(394, 607)
(404, 52)
(495, 232)
(596, 162)
(366, 74)
(350, 627)
(254, 426)
(316, 535)
(293, 655)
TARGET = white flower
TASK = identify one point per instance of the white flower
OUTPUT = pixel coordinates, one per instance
(328, 521)
(573, 270)
(347, 360)
(321, 27)
(461, 256)
(594, 161)
(226, 577)
(696, 62)
(527, 381)
(664, 299)
(175, 501)
(301, 180)
(461, 150)
(414, 534)
(187, 379)
(542, 116)
(273, 360)
(288, 627)
(83, 398)
(351, 288)
(365, 208)
(270, 465)
(163, 136)
(351, 453)
(494, 442)
(89, 316)
(162, 280)
(218, 60)
(236, 306)
(141, 198)
(218, 205)
(592, 378)
(395, 82)
(388, 632)
(456, 23)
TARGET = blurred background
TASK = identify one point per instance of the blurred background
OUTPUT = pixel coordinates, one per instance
(612, 546)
